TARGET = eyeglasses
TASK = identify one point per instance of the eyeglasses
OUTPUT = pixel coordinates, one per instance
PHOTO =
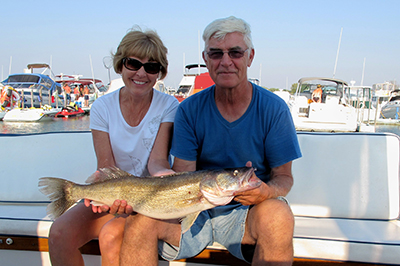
(135, 65)
(233, 54)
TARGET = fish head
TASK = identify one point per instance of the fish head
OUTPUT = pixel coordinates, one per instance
(219, 186)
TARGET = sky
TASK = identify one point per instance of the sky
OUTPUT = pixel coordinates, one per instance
(292, 38)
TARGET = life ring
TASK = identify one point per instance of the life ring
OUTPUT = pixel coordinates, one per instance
(8, 93)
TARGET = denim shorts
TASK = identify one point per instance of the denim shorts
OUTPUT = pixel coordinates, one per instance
(223, 224)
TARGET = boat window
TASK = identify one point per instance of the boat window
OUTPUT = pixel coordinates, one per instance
(183, 89)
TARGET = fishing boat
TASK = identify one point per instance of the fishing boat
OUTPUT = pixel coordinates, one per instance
(193, 82)
(345, 199)
(330, 110)
(35, 89)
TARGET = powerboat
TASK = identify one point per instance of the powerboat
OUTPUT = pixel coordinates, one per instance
(193, 82)
(95, 86)
(391, 110)
(330, 110)
(35, 89)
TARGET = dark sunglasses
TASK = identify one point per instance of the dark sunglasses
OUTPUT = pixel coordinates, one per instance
(233, 54)
(135, 65)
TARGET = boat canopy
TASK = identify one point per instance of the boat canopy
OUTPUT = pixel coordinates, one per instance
(38, 65)
(302, 80)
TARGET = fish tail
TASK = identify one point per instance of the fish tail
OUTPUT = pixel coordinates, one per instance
(58, 191)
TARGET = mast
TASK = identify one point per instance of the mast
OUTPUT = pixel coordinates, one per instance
(337, 53)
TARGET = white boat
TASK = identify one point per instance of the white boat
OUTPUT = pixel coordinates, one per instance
(31, 114)
(332, 112)
(381, 92)
(345, 199)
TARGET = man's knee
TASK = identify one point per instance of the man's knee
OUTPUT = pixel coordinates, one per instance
(112, 232)
(272, 217)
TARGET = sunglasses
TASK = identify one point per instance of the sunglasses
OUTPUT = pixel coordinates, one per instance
(233, 54)
(135, 65)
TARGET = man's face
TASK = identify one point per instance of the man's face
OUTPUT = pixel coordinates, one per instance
(228, 72)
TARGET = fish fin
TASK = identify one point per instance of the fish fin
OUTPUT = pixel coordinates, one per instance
(188, 221)
(104, 174)
(57, 190)
(215, 199)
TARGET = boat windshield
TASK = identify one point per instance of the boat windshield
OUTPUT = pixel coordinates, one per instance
(328, 88)
(23, 79)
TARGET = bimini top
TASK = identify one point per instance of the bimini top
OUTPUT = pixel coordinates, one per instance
(302, 80)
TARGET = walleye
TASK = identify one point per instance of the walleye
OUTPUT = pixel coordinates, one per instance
(181, 195)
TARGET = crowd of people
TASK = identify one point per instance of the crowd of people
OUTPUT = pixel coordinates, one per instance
(233, 123)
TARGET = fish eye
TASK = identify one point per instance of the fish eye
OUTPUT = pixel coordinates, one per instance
(235, 173)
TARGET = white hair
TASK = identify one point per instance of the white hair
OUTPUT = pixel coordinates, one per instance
(220, 27)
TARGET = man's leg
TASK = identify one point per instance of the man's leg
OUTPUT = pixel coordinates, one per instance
(141, 235)
(110, 241)
(269, 226)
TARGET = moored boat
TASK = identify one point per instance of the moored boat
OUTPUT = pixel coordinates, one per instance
(323, 104)
(346, 212)
(193, 82)
(391, 110)
(95, 86)
(35, 89)
(31, 114)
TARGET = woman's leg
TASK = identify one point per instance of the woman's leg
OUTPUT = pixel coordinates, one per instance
(72, 230)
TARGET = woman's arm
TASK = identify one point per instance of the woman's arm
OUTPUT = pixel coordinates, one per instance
(105, 159)
(158, 161)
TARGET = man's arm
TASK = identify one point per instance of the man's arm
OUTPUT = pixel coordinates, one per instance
(281, 181)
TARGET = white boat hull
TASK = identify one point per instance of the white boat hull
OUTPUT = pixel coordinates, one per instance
(30, 115)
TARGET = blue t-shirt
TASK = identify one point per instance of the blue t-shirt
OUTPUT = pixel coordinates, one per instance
(264, 135)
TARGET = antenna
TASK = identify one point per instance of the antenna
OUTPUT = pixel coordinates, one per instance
(362, 76)
(337, 54)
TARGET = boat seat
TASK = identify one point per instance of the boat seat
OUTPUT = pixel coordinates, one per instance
(345, 197)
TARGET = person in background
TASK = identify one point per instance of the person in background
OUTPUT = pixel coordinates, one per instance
(230, 124)
(76, 93)
(131, 129)
(86, 96)
(67, 90)
(317, 94)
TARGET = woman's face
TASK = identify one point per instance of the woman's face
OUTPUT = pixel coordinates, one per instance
(135, 76)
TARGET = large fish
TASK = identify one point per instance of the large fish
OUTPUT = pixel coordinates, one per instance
(181, 195)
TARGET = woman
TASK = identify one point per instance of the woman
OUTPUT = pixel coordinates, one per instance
(131, 129)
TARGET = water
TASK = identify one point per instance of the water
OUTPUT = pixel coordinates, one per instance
(82, 124)
(54, 125)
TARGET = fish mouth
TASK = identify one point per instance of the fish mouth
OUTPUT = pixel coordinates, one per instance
(250, 180)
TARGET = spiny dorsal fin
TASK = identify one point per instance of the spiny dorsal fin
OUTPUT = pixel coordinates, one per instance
(106, 174)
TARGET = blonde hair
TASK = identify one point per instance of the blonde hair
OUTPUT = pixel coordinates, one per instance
(141, 44)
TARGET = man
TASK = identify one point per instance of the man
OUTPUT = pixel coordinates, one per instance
(228, 125)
